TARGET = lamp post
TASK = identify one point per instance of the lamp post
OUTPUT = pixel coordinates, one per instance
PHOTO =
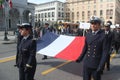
(6, 18)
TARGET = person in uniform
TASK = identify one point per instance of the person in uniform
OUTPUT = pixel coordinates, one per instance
(116, 39)
(109, 35)
(45, 30)
(94, 52)
(27, 54)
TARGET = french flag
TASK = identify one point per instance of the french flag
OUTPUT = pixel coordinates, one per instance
(61, 46)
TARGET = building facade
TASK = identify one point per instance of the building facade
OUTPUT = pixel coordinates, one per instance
(82, 10)
(49, 12)
(21, 12)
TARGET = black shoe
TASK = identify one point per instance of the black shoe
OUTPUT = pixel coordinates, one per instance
(101, 72)
(108, 69)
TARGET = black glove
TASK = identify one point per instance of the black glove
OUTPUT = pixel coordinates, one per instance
(27, 69)
(99, 69)
(78, 60)
(16, 65)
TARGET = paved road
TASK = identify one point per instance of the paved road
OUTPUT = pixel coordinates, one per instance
(69, 71)
(51, 69)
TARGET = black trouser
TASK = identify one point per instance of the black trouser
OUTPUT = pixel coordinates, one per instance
(26, 75)
(89, 73)
(117, 46)
(108, 62)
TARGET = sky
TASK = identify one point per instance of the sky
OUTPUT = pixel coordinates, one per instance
(43, 1)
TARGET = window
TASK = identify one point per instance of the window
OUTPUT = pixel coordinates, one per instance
(77, 14)
(101, 0)
(38, 15)
(62, 14)
(111, 12)
(107, 12)
(45, 15)
(88, 14)
(101, 12)
(95, 13)
(42, 15)
(94, 1)
(59, 8)
(94, 6)
(59, 14)
(35, 15)
(83, 13)
(53, 14)
(72, 15)
(49, 14)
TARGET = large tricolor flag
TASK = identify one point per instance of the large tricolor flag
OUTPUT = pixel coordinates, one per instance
(60, 46)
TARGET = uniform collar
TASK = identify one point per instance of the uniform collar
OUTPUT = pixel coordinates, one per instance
(95, 32)
(25, 37)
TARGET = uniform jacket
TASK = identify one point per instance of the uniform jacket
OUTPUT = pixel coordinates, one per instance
(27, 52)
(116, 36)
(109, 39)
(94, 52)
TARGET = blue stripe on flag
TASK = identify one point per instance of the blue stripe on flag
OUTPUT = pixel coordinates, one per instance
(47, 39)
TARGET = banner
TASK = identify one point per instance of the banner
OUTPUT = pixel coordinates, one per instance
(84, 25)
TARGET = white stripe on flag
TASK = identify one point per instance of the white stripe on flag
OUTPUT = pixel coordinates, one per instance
(57, 46)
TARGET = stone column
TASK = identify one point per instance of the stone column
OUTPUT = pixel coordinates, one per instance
(21, 16)
(33, 19)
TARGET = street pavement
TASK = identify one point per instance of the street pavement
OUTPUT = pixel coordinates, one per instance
(50, 69)
(11, 37)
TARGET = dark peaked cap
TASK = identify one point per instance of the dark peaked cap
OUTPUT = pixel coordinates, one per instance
(95, 19)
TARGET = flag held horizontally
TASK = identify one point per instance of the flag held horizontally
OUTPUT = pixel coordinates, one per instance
(61, 46)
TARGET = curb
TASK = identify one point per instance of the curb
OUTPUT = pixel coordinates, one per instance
(8, 42)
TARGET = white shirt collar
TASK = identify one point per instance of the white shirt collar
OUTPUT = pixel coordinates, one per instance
(25, 37)
(95, 32)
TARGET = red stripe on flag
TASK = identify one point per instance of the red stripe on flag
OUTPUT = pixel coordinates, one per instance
(73, 51)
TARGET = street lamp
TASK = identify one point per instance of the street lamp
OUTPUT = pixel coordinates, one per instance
(6, 11)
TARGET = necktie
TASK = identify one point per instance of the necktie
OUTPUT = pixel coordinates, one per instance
(106, 32)
(23, 40)
(93, 33)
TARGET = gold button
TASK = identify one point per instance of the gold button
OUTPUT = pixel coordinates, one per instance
(88, 51)
(88, 48)
(88, 55)
(93, 56)
(94, 52)
(95, 46)
(94, 49)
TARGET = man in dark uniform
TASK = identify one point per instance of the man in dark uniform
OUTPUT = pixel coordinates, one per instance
(27, 54)
(94, 52)
(44, 30)
(116, 39)
(109, 40)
